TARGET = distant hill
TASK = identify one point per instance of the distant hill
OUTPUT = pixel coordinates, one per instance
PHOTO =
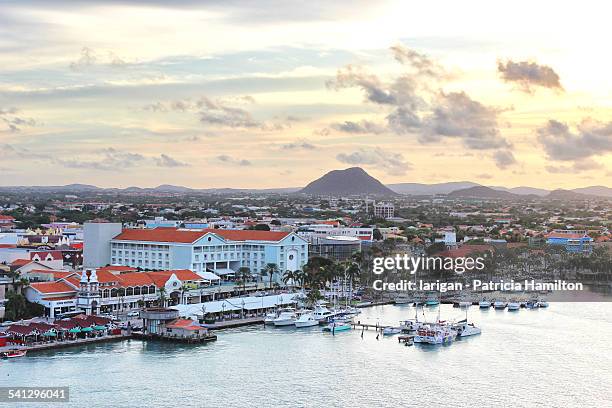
(567, 195)
(482, 192)
(601, 191)
(351, 181)
(430, 189)
(523, 190)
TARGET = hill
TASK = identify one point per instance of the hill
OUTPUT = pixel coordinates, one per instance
(430, 189)
(483, 192)
(352, 181)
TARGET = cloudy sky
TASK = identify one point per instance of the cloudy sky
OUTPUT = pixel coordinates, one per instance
(273, 93)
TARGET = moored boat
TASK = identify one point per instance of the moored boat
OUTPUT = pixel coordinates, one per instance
(464, 329)
(390, 331)
(500, 304)
(306, 320)
(514, 306)
(542, 303)
(337, 326)
(13, 353)
(287, 317)
(484, 304)
(435, 334)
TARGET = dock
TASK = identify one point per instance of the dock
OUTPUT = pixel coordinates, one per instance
(228, 324)
(368, 326)
(70, 343)
(406, 339)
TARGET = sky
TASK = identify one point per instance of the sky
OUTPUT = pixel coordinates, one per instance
(271, 93)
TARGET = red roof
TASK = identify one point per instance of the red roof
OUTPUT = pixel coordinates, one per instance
(20, 329)
(185, 324)
(20, 262)
(8, 246)
(116, 268)
(466, 250)
(164, 234)
(52, 287)
(59, 298)
(56, 274)
(42, 255)
(566, 235)
(6, 218)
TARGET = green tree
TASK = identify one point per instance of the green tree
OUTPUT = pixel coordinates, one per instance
(270, 269)
(244, 274)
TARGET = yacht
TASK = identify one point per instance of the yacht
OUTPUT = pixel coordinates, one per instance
(464, 329)
(410, 325)
(435, 334)
(337, 325)
(270, 317)
(306, 320)
(513, 306)
(390, 331)
(500, 304)
(286, 317)
(484, 304)
(321, 312)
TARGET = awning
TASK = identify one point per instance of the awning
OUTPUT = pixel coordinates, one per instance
(224, 271)
(75, 330)
(236, 304)
(99, 327)
(209, 276)
(86, 329)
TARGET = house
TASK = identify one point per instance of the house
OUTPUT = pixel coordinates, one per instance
(574, 241)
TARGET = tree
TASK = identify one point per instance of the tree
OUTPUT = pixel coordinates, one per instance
(352, 272)
(244, 274)
(289, 276)
(162, 296)
(270, 269)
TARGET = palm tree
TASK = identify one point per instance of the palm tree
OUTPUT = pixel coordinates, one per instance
(244, 274)
(289, 276)
(162, 296)
(352, 272)
(270, 269)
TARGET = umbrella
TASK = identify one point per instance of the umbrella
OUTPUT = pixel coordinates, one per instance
(50, 334)
(75, 330)
(86, 329)
(99, 327)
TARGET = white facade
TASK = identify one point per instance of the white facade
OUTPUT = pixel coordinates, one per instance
(384, 210)
(97, 236)
(317, 232)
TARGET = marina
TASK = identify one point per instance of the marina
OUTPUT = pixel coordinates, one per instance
(520, 342)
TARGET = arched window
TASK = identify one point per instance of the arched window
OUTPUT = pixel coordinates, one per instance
(105, 293)
(144, 290)
(137, 290)
(129, 291)
(151, 289)
(113, 292)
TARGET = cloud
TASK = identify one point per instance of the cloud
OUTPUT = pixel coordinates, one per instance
(109, 159)
(504, 159)
(224, 158)
(89, 58)
(483, 176)
(529, 75)
(403, 120)
(576, 167)
(456, 115)
(299, 145)
(12, 122)
(421, 63)
(166, 161)
(361, 127)
(592, 138)
(393, 163)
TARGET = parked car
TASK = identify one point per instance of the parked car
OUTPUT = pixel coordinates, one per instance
(134, 313)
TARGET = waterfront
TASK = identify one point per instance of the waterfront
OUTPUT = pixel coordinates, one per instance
(548, 356)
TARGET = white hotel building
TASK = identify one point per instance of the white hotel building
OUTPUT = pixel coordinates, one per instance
(221, 252)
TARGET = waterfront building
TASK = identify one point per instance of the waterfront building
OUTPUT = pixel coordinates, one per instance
(573, 240)
(313, 233)
(222, 252)
(337, 248)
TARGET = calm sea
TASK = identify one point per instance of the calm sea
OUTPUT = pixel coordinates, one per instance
(555, 357)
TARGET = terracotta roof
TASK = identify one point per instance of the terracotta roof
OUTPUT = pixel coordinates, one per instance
(56, 255)
(52, 287)
(8, 246)
(164, 234)
(116, 268)
(566, 235)
(20, 330)
(6, 217)
(466, 250)
(20, 262)
(59, 298)
(185, 324)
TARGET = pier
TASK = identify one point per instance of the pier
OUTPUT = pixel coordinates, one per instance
(228, 324)
(68, 343)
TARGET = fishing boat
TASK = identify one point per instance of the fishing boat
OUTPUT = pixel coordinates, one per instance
(13, 353)
(464, 329)
(336, 326)
(513, 306)
(287, 317)
(390, 331)
(500, 304)
(306, 320)
(484, 304)
(435, 333)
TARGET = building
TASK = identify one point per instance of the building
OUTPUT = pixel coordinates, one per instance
(222, 252)
(315, 232)
(97, 236)
(573, 240)
(337, 248)
(384, 210)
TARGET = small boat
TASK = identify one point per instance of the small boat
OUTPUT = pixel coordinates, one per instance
(484, 304)
(514, 306)
(364, 304)
(390, 331)
(410, 325)
(465, 303)
(432, 302)
(542, 303)
(286, 317)
(13, 353)
(435, 334)
(337, 326)
(402, 299)
(500, 304)
(306, 320)
(531, 304)
(464, 329)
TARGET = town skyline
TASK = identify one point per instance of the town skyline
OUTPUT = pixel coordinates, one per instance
(156, 95)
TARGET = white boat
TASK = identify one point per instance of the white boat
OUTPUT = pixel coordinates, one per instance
(484, 304)
(465, 303)
(464, 329)
(500, 304)
(287, 317)
(270, 317)
(306, 320)
(542, 303)
(402, 299)
(410, 325)
(435, 334)
(514, 306)
(321, 312)
(390, 331)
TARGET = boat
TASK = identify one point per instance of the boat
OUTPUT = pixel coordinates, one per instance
(464, 329)
(465, 303)
(270, 317)
(390, 331)
(286, 317)
(514, 306)
(336, 326)
(432, 302)
(532, 304)
(542, 303)
(402, 299)
(306, 320)
(321, 312)
(484, 304)
(435, 333)
(364, 304)
(500, 304)
(13, 353)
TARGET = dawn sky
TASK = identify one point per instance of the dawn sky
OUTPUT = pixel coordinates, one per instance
(273, 93)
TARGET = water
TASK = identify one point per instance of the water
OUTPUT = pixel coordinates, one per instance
(555, 357)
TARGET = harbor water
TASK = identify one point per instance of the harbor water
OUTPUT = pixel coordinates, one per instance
(554, 357)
